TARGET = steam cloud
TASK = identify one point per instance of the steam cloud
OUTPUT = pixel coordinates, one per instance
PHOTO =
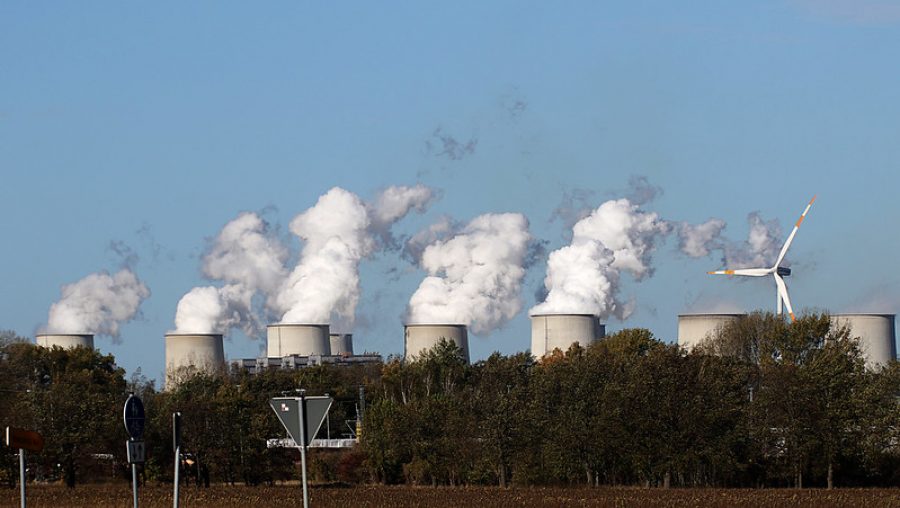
(249, 258)
(98, 304)
(337, 233)
(761, 248)
(475, 277)
(584, 276)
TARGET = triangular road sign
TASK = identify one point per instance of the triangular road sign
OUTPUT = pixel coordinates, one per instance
(289, 412)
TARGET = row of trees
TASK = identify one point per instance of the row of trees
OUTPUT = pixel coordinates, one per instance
(765, 402)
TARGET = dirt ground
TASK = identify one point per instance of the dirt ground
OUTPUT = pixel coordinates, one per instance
(103, 496)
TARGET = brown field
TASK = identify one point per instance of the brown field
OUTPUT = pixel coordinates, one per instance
(102, 496)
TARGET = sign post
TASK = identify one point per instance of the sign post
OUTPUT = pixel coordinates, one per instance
(23, 440)
(176, 444)
(302, 417)
(133, 414)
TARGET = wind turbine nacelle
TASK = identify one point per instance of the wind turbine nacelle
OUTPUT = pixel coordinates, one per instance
(782, 271)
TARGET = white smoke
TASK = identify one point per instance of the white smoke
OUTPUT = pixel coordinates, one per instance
(475, 277)
(337, 233)
(396, 201)
(440, 229)
(698, 240)
(98, 304)
(761, 248)
(211, 309)
(246, 253)
(584, 276)
(249, 259)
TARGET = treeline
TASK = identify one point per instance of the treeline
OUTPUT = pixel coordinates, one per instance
(764, 403)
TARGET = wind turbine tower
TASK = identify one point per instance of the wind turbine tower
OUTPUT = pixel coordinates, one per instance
(777, 271)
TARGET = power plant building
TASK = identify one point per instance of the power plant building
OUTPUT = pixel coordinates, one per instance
(876, 333)
(187, 352)
(560, 331)
(65, 340)
(419, 338)
(285, 339)
(695, 328)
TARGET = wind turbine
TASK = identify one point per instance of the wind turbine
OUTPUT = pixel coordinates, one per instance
(781, 294)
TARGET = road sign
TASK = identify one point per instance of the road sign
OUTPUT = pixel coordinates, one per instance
(134, 416)
(24, 439)
(288, 411)
(137, 451)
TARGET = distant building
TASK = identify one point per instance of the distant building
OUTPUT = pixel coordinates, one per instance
(294, 362)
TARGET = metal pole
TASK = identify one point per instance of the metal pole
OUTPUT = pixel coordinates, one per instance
(134, 483)
(301, 414)
(177, 469)
(22, 476)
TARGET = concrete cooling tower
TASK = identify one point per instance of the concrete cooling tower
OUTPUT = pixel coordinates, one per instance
(297, 339)
(420, 338)
(560, 331)
(877, 338)
(199, 351)
(695, 328)
(65, 340)
(341, 344)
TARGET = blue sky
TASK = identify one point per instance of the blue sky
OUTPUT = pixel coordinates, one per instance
(156, 124)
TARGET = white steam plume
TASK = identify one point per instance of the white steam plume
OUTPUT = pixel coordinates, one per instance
(248, 258)
(698, 240)
(246, 253)
(210, 309)
(475, 277)
(584, 276)
(98, 304)
(339, 232)
(325, 283)
(761, 248)
(396, 201)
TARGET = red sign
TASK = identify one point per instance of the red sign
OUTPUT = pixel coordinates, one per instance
(24, 439)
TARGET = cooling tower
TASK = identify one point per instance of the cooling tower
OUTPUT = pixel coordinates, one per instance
(695, 328)
(297, 339)
(420, 338)
(876, 336)
(341, 344)
(201, 351)
(560, 331)
(65, 340)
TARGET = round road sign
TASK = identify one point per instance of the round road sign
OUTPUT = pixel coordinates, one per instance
(134, 417)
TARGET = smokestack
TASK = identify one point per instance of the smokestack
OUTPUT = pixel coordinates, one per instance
(419, 338)
(65, 340)
(695, 328)
(341, 344)
(561, 331)
(285, 339)
(192, 352)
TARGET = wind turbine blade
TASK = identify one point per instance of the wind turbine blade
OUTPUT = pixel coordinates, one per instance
(787, 244)
(782, 290)
(747, 272)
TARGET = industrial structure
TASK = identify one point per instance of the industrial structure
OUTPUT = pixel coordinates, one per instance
(695, 328)
(286, 339)
(294, 362)
(341, 344)
(188, 352)
(561, 331)
(876, 333)
(65, 340)
(418, 338)
(777, 271)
